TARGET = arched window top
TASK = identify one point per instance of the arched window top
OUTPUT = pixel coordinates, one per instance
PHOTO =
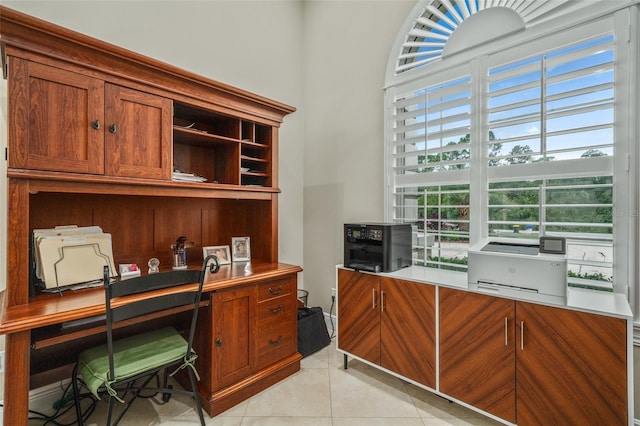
(438, 28)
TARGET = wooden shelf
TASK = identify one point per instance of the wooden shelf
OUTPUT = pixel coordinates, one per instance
(199, 137)
(254, 159)
(257, 145)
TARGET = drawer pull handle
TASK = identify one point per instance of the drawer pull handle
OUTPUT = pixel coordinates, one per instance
(275, 342)
(506, 331)
(522, 335)
(218, 342)
(113, 128)
(96, 124)
(276, 310)
(278, 291)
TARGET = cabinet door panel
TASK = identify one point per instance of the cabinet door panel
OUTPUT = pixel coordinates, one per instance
(138, 135)
(407, 330)
(359, 314)
(571, 369)
(57, 110)
(234, 342)
(477, 353)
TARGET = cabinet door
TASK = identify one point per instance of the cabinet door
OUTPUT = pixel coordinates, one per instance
(57, 119)
(571, 367)
(477, 353)
(234, 339)
(359, 314)
(408, 330)
(138, 134)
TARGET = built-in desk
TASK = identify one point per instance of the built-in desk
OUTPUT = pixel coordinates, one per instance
(102, 136)
(34, 334)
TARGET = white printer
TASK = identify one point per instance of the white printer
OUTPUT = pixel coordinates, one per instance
(520, 269)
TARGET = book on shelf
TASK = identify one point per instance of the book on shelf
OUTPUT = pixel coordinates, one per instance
(181, 175)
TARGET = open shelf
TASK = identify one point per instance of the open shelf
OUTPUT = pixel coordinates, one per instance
(221, 149)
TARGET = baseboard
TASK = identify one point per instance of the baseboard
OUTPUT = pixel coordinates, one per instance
(43, 398)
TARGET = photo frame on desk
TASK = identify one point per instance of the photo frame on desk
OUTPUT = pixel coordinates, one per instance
(221, 252)
(241, 249)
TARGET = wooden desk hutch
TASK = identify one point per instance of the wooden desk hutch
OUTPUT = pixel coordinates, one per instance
(94, 132)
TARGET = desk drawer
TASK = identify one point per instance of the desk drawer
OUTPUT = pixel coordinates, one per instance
(277, 309)
(275, 341)
(275, 288)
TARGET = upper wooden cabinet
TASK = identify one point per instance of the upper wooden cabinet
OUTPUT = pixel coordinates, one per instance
(137, 134)
(83, 106)
(56, 119)
(69, 122)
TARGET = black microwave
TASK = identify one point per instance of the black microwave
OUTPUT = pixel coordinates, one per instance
(377, 247)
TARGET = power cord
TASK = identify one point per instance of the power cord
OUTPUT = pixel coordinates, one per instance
(333, 326)
(66, 403)
(62, 407)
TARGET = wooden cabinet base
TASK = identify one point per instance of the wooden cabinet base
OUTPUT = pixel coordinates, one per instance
(230, 396)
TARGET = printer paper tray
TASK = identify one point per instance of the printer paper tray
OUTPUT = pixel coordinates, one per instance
(516, 293)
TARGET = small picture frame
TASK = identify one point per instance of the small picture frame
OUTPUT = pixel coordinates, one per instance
(221, 252)
(241, 249)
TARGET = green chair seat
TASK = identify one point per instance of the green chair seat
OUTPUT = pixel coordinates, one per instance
(132, 355)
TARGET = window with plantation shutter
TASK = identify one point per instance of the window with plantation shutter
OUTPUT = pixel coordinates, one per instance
(431, 145)
(431, 132)
(517, 142)
(542, 111)
(556, 106)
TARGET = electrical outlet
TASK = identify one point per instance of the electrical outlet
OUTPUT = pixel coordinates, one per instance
(333, 292)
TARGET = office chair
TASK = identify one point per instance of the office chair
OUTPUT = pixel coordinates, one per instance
(117, 367)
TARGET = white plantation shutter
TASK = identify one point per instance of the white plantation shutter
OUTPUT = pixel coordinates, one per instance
(431, 150)
(431, 128)
(543, 111)
(555, 106)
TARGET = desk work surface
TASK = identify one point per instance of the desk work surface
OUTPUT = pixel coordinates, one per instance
(48, 309)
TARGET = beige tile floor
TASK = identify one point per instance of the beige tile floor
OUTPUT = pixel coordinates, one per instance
(322, 393)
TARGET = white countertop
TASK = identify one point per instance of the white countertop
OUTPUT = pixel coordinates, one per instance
(593, 301)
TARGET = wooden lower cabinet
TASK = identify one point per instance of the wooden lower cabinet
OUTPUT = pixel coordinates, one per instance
(247, 341)
(388, 322)
(571, 367)
(477, 356)
(359, 314)
(532, 364)
(407, 330)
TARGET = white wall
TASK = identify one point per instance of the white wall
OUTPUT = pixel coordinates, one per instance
(347, 44)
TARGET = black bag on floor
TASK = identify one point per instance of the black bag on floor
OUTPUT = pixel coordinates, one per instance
(312, 330)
